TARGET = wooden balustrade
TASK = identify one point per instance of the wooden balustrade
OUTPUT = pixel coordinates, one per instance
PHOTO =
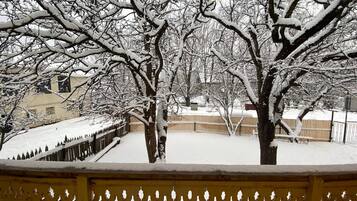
(42, 180)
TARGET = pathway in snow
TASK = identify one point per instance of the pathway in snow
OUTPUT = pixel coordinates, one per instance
(50, 135)
(206, 148)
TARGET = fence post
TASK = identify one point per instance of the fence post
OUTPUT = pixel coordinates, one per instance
(345, 129)
(314, 191)
(62, 154)
(82, 188)
(94, 143)
(331, 126)
(240, 129)
(127, 123)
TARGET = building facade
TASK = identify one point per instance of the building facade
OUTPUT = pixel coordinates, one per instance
(47, 101)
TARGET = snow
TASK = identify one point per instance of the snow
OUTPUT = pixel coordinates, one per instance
(318, 18)
(204, 148)
(115, 142)
(288, 113)
(16, 23)
(273, 143)
(50, 135)
(289, 22)
(174, 169)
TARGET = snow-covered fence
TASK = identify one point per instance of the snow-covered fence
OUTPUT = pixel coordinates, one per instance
(82, 148)
(42, 180)
(316, 129)
(338, 131)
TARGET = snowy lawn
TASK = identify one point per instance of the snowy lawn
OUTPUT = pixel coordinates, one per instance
(50, 135)
(207, 148)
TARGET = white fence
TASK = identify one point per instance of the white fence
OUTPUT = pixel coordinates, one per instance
(338, 132)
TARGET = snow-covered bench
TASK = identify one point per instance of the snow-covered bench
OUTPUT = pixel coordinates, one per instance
(303, 139)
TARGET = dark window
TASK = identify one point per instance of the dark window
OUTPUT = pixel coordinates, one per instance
(50, 110)
(44, 87)
(64, 84)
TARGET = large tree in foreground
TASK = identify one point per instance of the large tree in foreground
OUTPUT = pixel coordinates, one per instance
(284, 44)
(101, 37)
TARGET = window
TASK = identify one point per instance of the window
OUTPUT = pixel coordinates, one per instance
(44, 87)
(50, 110)
(64, 84)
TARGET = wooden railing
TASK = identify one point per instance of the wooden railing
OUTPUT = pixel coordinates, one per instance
(42, 180)
(82, 148)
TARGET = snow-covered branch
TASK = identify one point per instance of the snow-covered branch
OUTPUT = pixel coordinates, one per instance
(242, 77)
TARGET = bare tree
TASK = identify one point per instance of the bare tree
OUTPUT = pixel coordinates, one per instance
(282, 43)
(224, 96)
(98, 38)
(184, 25)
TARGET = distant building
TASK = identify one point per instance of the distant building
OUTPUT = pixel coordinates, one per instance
(46, 101)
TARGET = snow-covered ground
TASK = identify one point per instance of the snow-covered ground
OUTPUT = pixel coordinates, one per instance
(288, 114)
(50, 135)
(207, 148)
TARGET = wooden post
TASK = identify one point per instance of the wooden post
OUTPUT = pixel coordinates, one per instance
(127, 123)
(240, 129)
(94, 144)
(347, 107)
(314, 192)
(82, 189)
(345, 128)
(62, 154)
(331, 126)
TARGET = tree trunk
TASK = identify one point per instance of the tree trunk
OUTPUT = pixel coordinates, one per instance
(187, 101)
(150, 112)
(150, 139)
(162, 119)
(266, 132)
(150, 131)
(2, 138)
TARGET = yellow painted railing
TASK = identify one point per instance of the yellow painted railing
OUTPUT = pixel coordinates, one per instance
(26, 180)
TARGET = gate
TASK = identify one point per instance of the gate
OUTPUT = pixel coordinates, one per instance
(338, 132)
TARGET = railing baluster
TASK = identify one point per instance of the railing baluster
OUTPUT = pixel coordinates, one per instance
(314, 192)
(82, 189)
